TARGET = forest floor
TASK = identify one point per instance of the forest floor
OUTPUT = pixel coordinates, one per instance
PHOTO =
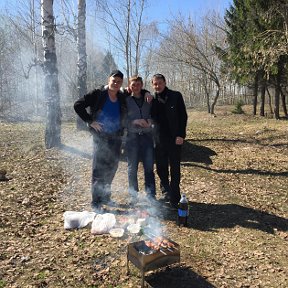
(234, 173)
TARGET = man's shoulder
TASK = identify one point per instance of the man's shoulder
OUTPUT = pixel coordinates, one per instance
(173, 92)
(94, 96)
(144, 91)
(122, 94)
(96, 91)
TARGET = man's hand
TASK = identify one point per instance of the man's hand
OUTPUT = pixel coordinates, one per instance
(96, 126)
(128, 89)
(179, 140)
(148, 97)
(141, 122)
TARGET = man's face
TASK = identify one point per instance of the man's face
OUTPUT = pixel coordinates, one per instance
(115, 83)
(158, 85)
(136, 87)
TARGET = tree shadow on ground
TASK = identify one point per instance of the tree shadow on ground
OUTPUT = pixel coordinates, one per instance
(190, 153)
(244, 140)
(238, 171)
(73, 150)
(197, 153)
(180, 277)
(210, 217)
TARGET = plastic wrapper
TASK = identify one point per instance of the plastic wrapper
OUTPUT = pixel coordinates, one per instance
(75, 219)
(102, 223)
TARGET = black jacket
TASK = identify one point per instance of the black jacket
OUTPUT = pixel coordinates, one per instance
(95, 101)
(176, 115)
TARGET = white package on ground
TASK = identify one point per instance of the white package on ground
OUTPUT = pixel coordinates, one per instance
(76, 219)
(102, 223)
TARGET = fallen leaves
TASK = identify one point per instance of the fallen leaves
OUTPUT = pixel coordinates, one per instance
(236, 207)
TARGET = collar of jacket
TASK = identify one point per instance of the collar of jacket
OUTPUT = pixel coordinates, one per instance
(163, 96)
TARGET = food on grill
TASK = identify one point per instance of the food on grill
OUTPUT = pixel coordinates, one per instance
(152, 245)
(158, 243)
(147, 259)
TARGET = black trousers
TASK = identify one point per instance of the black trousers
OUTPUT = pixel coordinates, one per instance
(168, 158)
(106, 155)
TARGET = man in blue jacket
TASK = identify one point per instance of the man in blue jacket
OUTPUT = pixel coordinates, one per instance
(107, 108)
(170, 116)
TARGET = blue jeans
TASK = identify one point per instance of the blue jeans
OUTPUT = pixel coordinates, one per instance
(140, 147)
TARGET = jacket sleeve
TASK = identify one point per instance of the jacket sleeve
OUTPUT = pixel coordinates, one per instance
(182, 114)
(84, 102)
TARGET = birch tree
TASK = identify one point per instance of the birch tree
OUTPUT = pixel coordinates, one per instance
(124, 26)
(51, 85)
(82, 56)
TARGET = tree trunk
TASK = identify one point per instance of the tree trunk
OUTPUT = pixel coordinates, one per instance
(82, 56)
(283, 98)
(278, 90)
(216, 96)
(207, 93)
(215, 101)
(277, 102)
(139, 31)
(255, 93)
(127, 41)
(270, 101)
(262, 93)
(51, 86)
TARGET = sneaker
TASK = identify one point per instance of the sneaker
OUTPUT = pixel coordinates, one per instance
(96, 207)
(109, 202)
(133, 199)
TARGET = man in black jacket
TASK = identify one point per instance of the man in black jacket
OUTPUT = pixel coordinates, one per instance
(170, 116)
(107, 110)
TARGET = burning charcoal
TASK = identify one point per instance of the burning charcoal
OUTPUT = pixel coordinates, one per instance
(143, 248)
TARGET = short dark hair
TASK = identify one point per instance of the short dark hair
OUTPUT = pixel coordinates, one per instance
(159, 76)
(136, 78)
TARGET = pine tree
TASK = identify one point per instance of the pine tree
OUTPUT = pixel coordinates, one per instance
(253, 55)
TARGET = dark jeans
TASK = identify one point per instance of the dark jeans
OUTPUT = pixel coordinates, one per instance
(167, 153)
(140, 147)
(106, 154)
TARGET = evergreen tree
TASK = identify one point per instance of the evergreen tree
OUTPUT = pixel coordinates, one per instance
(106, 66)
(253, 54)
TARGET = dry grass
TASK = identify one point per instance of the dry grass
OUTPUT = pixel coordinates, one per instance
(234, 173)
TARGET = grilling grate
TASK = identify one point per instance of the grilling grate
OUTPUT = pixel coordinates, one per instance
(147, 259)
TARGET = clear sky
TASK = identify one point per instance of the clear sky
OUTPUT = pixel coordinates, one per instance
(156, 10)
(159, 10)
(162, 10)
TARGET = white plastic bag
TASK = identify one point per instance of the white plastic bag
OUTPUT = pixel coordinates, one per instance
(74, 219)
(102, 223)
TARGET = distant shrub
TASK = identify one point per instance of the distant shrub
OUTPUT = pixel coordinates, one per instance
(238, 108)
